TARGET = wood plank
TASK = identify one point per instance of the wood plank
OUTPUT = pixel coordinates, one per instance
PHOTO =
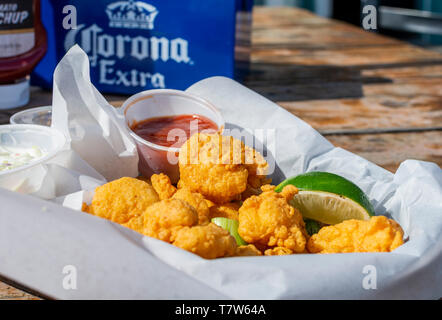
(272, 17)
(389, 150)
(332, 98)
(369, 113)
(338, 77)
(325, 33)
(10, 293)
(332, 36)
(353, 56)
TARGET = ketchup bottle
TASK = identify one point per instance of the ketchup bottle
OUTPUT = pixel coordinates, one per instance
(22, 44)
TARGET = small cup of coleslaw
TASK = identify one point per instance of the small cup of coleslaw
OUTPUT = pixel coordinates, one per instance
(23, 147)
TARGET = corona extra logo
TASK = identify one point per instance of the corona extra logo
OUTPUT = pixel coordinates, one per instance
(108, 48)
(131, 15)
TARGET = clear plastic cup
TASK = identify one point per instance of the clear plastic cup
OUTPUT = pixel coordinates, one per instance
(160, 103)
(40, 115)
(27, 178)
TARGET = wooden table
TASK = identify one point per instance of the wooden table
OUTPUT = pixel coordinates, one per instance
(372, 95)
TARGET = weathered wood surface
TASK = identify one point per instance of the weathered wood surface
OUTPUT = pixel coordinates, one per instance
(336, 76)
(389, 150)
(372, 95)
(8, 292)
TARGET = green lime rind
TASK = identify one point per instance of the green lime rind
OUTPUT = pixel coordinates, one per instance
(332, 183)
(231, 226)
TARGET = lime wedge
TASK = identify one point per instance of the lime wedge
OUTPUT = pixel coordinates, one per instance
(231, 226)
(328, 198)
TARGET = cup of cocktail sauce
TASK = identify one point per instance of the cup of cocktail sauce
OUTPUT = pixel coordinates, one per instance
(160, 121)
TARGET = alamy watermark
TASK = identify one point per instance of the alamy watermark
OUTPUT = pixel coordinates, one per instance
(70, 279)
(369, 17)
(70, 20)
(369, 282)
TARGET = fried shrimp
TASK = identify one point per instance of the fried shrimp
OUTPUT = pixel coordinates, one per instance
(122, 199)
(162, 185)
(219, 167)
(247, 251)
(164, 219)
(227, 210)
(278, 251)
(379, 234)
(268, 220)
(209, 241)
(197, 201)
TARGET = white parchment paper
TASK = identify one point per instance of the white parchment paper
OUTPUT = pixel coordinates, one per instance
(91, 124)
(38, 238)
(98, 146)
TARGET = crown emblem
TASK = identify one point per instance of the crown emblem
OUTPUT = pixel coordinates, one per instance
(131, 15)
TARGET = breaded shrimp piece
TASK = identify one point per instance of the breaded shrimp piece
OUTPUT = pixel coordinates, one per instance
(209, 241)
(197, 201)
(209, 203)
(162, 185)
(122, 199)
(257, 167)
(216, 166)
(278, 251)
(164, 219)
(268, 220)
(379, 234)
(180, 184)
(247, 251)
(227, 210)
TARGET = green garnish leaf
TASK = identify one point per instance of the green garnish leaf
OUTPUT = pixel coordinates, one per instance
(312, 226)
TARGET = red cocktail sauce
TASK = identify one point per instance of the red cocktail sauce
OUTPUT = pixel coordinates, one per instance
(159, 130)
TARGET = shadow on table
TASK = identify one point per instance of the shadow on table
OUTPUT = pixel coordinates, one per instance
(288, 82)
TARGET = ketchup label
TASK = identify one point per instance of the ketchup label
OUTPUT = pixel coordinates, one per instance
(16, 27)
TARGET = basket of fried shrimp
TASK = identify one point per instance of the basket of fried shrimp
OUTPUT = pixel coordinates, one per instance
(224, 205)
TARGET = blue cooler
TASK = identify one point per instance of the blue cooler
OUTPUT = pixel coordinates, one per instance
(140, 45)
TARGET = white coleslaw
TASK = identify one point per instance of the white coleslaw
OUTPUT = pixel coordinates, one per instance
(14, 157)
